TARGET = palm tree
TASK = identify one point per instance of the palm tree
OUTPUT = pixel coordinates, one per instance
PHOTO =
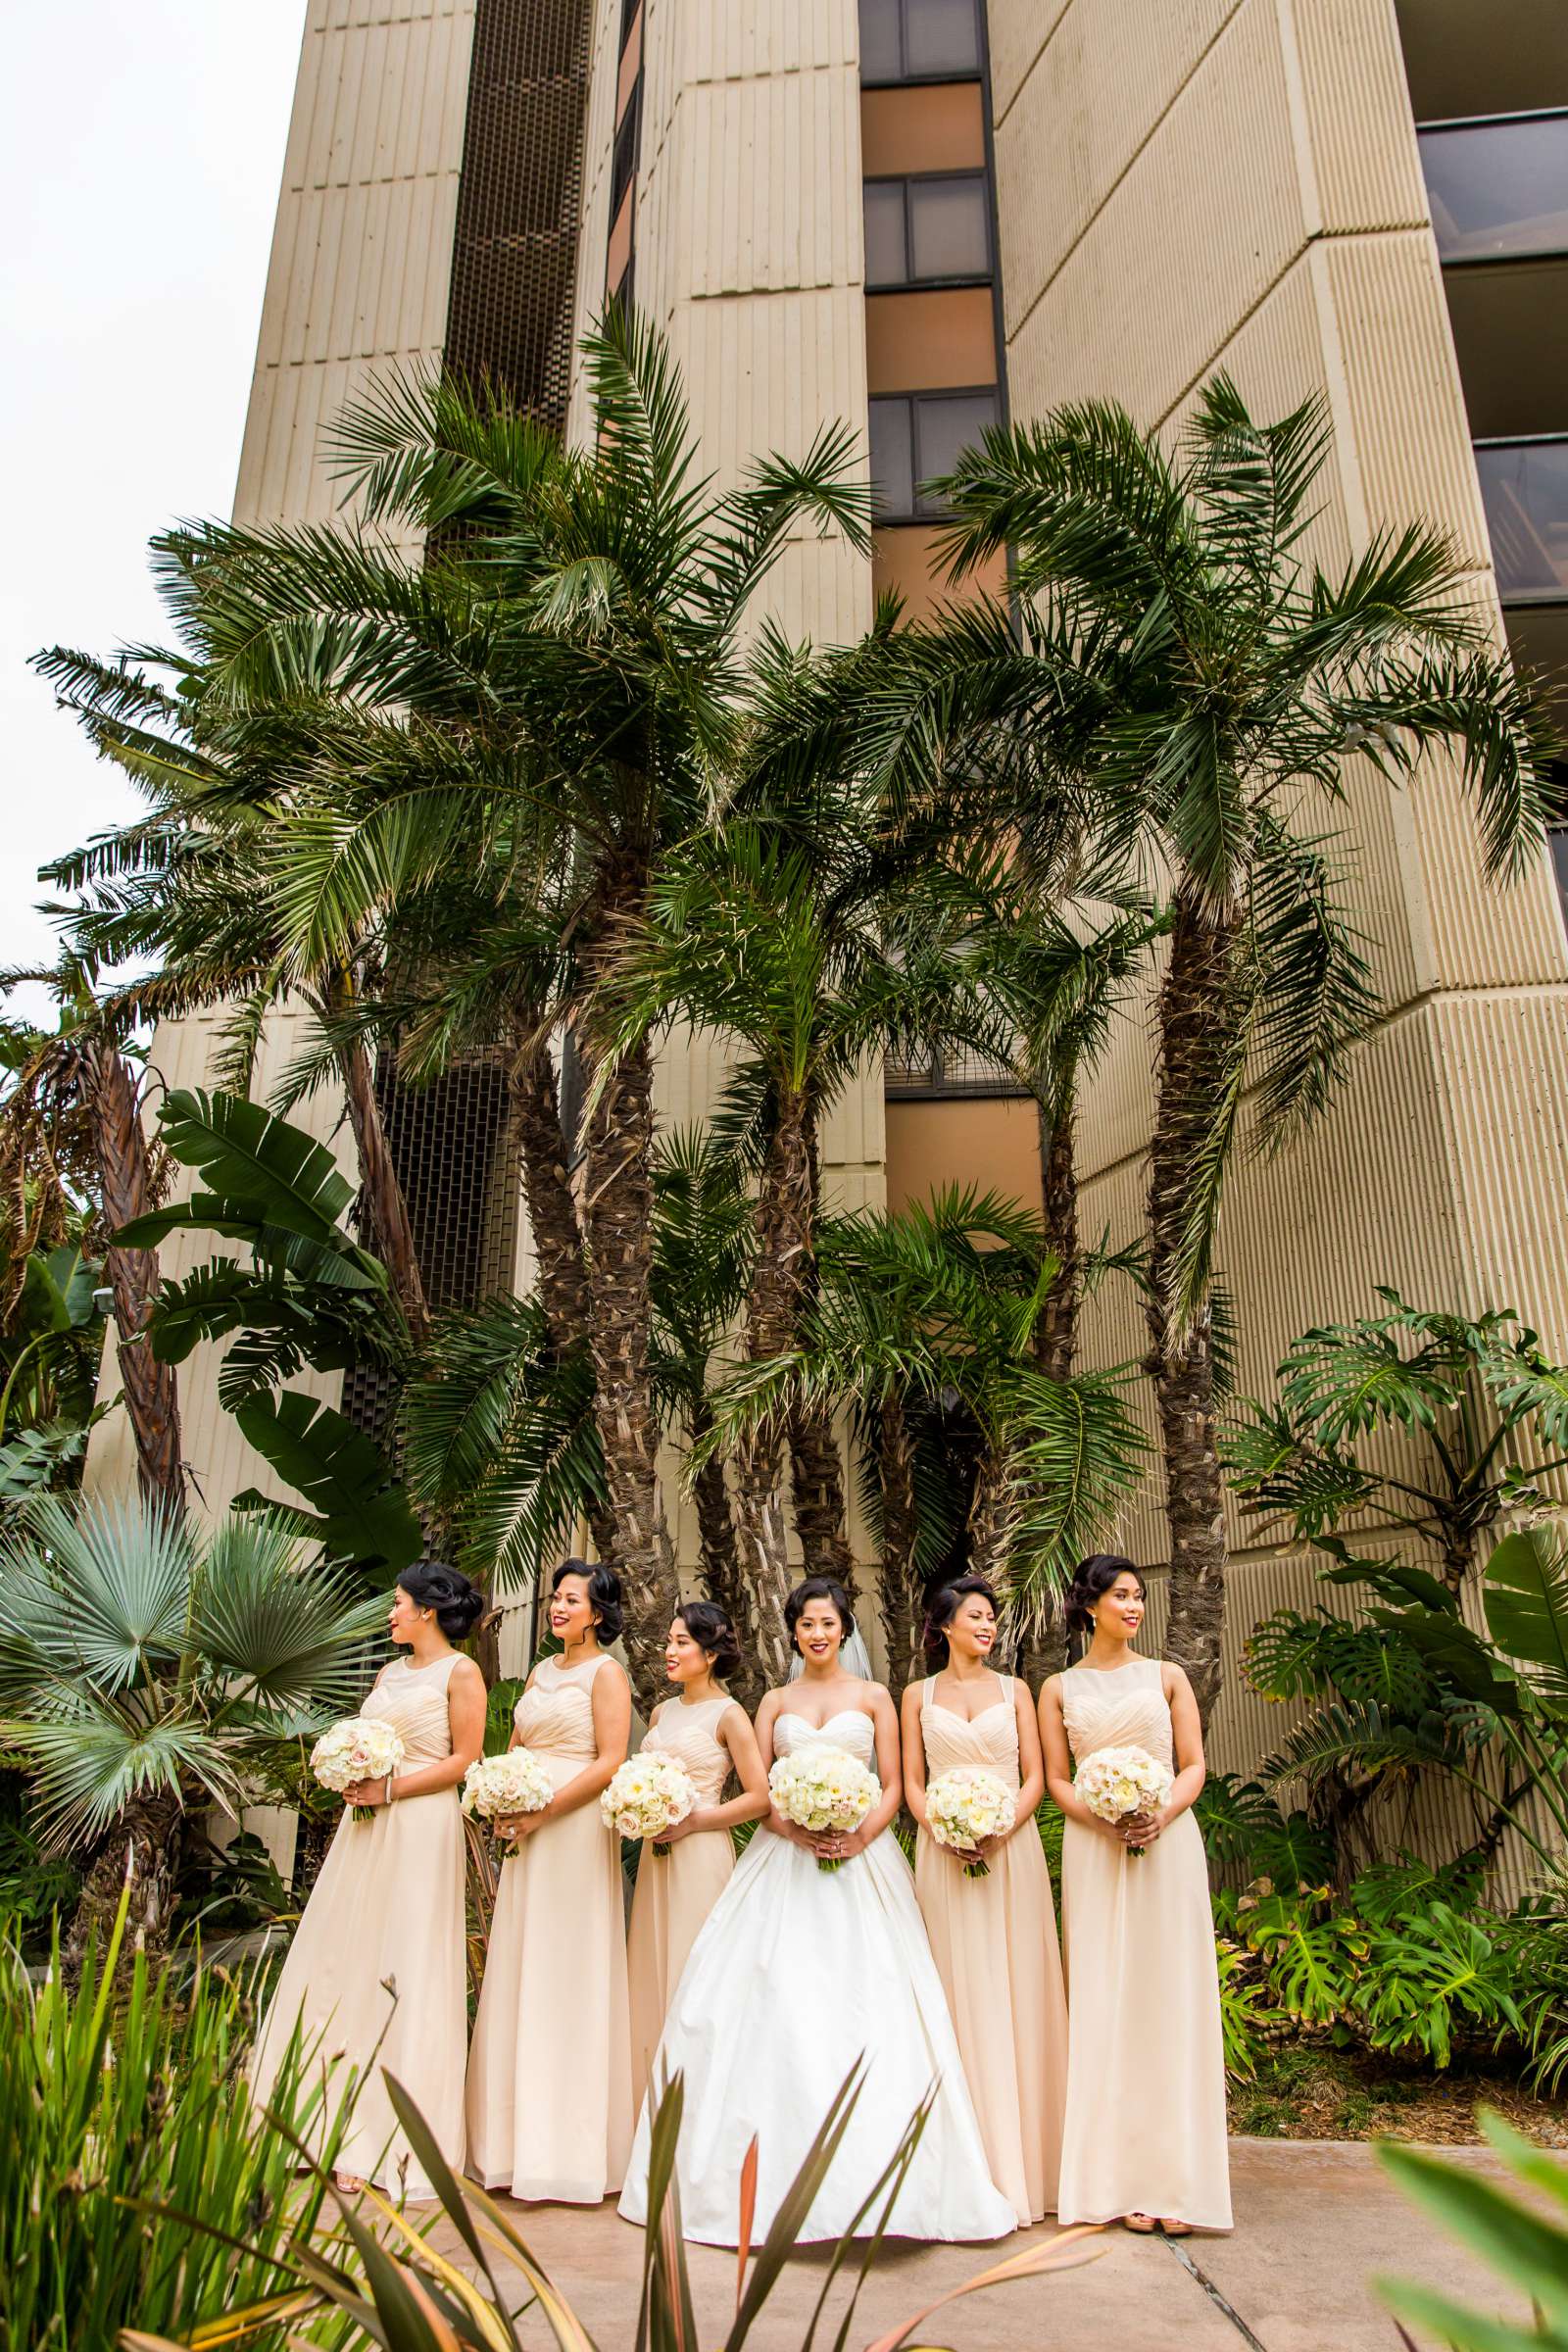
(77, 1079)
(933, 1312)
(565, 666)
(1178, 654)
(148, 1666)
(782, 934)
(191, 886)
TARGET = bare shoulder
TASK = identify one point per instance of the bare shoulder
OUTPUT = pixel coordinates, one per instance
(1051, 1691)
(1173, 1679)
(465, 1675)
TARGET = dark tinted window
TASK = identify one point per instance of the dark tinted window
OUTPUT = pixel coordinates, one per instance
(949, 231)
(887, 256)
(893, 456)
(1498, 189)
(918, 40)
(944, 430)
(1525, 487)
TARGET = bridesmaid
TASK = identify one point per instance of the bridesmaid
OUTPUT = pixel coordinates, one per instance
(549, 2112)
(994, 1938)
(711, 1733)
(1145, 2134)
(387, 1908)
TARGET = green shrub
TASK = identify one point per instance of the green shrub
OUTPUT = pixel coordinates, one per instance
(1525, 2244)
(115, 2125)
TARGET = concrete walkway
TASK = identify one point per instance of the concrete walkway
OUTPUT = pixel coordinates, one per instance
(1314, 2220)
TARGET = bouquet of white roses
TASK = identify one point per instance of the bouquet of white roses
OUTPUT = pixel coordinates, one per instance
(647, 1796)
(965, 1807)
(1115, 1783)
(359, 1747)
(515, 1782)
(823, 1788)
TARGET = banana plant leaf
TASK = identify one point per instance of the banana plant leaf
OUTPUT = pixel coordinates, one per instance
(1524, 1595)
(361, 1513)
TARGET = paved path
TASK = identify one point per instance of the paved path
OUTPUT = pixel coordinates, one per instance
(1314, 2220)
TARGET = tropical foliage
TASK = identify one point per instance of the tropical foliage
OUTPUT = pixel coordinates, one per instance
(1522, 2238)
(123, 2122)
(147, 1667)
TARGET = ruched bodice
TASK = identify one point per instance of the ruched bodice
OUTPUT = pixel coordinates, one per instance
(850, 1730)
(988, 1743)
(691, 1736)
(1124, 1708)
(555, 1716)
(414, 1701)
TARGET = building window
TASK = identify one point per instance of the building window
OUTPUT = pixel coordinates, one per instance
(628, 18)
(625, 294)
(917, 437)
(1498, 189)
(623, 163)
(928, 230)
(1524, 486)
(919, 40)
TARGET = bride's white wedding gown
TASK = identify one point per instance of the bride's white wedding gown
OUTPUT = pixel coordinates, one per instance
(798, 1972)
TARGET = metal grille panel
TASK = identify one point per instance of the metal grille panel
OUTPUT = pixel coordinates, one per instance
(519, 200)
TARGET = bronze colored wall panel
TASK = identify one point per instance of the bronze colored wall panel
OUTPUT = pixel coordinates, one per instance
(938, 127)
(932, 342)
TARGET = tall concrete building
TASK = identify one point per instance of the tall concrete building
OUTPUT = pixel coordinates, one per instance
(921, 215)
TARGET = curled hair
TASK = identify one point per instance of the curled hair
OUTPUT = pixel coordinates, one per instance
(604, 1595)
(710, 1628)
(819, 1587)
(455, 1603)
(942, 1608)
(1092, 1580)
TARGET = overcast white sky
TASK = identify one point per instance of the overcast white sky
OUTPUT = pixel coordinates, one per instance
(140, 151)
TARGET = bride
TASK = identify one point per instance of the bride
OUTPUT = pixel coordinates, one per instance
(799, 1974)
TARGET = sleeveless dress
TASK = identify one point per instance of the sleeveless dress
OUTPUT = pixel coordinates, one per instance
(1145, 2129)
(675, 1892)
(548, 2102)
(994, 1940)
(798, 1975)
(388, 1905)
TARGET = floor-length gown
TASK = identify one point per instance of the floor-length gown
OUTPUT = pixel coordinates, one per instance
(1145, 2129)
(677, 1890)
(387, 1908)
(994, 1940)
(798, 1975)
(549, 2103)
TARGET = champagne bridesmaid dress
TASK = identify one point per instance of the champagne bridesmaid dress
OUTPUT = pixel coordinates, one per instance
(994, 1940)
(1144, 2127)
(550, 2108)
(386, 1908)
(675, 1892)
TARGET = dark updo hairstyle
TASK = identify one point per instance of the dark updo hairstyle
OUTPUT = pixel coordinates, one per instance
(710, 1628)
(604, 1595)
(457, 1606)
(1092, 1580)
(818, 1587)
(942, 1608)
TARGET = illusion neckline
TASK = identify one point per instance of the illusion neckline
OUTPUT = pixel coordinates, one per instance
(1103, 1673)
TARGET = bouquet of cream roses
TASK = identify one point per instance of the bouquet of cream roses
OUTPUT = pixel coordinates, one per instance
(823, 1788)
(359, 1747)
(515, 1782)
(965, 1807)
(647, 1796)
(1115, 1783)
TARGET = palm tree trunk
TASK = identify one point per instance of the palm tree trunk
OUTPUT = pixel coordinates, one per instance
(718, 1562)
(1197, 1034)
(816, 1470)
(564, 1292)
(617, 1252)
(152, 1397)
(993, 1514)
(902, 1598)
(381, 1189)
(1056, 1332)
(142, 1850)
(783, 1237)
